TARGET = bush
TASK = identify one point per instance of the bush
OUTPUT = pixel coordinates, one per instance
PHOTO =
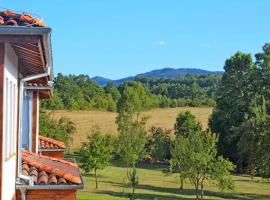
(62, 130)
(158, 144)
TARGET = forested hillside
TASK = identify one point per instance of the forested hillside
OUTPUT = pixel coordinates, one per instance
(79, 92)
(170, 73)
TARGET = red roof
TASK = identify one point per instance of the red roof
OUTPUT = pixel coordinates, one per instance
(11, 18)
(46, 170)
(50, 143)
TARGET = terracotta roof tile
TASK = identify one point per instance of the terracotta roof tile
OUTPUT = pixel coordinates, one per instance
(11, 18)
(47, 170)
(50, 143)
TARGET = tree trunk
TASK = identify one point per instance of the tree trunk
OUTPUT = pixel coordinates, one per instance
(96, 178)
(127, 170)
(197, 192)
(181, 182)
(197, 189)
(202, 191)
(123, 186)
(133, 192)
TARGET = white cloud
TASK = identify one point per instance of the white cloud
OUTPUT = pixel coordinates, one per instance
(162, 42)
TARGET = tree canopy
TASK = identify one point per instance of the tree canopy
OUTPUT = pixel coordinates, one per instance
(79, 92)
(242, 111)
(96, 153)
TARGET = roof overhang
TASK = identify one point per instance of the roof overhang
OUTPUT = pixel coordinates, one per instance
(45, 92)
(32, 46)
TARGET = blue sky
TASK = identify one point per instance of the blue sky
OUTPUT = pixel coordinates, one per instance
(119, 38)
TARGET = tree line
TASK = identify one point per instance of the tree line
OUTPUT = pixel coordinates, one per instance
(194, 90)
(241, 116)
(79, 92)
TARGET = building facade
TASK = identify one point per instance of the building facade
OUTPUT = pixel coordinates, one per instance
(26, 72)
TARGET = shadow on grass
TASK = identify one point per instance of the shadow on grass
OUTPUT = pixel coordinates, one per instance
(155, 166)
(175, 193)
(142, 195)
(91, 175)
(184, 195)
(253, 181)
(256, 179)
(254, 196)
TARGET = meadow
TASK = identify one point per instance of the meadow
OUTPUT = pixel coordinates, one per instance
(86, 120)
(155, 185)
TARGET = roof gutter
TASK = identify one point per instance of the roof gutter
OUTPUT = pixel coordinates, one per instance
(51, 187)
(45, 32)
(38, 88)
(46, 150)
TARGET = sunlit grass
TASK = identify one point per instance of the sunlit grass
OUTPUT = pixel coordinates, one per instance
(153, 184)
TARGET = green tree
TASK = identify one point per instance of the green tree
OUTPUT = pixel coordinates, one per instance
(96, 153)
(253, 134)
(62, 130)
(112, 106)
(196, 91)
(113, 91)
(263, 78)
(177, 160)
(186, 124)
(135, 98)
(131, 144)
(233, 101)
(54, 103)
(158, 144)
(131, 140)
(195, 156)
(134, 180)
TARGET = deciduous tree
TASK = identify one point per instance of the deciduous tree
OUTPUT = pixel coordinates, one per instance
(195, 156)
(96, 153)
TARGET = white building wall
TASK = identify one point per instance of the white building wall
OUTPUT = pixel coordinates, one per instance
(10, 123)
(37, 121)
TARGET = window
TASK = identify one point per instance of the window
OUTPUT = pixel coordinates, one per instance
(27, 120)
(7, 120)
(10, 118)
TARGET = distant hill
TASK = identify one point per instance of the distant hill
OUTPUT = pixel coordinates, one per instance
(159, 73)
(101, 80)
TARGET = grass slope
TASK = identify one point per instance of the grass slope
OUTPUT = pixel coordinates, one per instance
(154, 185)
(165, 118)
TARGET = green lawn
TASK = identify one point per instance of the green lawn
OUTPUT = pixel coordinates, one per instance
(153, 184)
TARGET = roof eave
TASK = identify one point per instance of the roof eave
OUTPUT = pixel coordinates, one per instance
(51, 187)
(46, 150)
(45, 32)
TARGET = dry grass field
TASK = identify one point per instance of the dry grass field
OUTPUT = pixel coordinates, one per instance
(86, 120)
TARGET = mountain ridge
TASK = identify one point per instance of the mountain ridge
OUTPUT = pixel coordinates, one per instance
(158, 73)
